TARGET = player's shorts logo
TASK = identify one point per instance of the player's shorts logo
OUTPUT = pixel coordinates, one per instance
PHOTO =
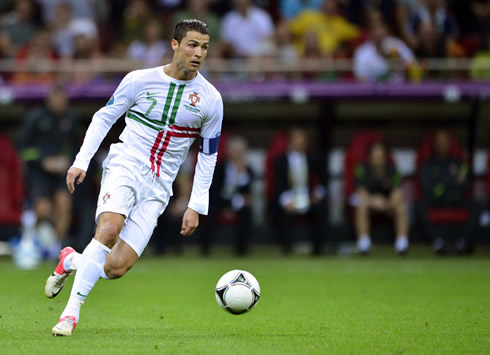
(194, 97)
(106, 197)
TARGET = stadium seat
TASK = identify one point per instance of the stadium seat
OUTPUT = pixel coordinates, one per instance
(444, 215)
(11, 189)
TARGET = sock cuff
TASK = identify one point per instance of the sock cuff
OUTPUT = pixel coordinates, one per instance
(103, 275)
(106, 249)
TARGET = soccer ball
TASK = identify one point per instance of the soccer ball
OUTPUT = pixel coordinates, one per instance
(237, 291)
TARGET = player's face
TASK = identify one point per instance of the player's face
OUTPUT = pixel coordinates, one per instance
(191, 51)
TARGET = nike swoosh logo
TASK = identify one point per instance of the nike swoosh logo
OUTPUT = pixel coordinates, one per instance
(148, 94)
(78, 293)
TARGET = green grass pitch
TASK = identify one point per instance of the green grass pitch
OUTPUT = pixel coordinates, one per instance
(375, 305)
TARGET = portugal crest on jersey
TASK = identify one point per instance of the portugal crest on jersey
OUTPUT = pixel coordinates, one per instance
(194, 97)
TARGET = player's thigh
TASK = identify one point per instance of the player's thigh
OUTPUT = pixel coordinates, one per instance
(141, 222)
(119, 190)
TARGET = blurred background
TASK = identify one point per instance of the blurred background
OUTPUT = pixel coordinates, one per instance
(348, 124)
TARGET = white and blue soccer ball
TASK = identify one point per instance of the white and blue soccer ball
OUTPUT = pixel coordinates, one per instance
(237, 291)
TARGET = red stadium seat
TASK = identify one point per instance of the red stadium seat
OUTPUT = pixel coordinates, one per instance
(11, 189)
(440, 215)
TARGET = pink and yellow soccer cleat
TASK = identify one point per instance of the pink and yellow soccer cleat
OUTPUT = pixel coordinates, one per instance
(56, 281)
(65, 326)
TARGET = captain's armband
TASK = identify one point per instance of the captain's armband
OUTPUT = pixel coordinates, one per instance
(209, 145)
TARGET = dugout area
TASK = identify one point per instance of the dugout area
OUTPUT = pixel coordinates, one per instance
(402, 114)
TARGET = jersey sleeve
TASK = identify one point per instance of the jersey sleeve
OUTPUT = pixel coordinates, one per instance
(206, 161)
(103, 120)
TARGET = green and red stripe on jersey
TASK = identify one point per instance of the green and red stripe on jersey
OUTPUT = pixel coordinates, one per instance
(165, 136)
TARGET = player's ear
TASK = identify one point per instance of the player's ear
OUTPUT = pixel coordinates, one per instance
(174, 44)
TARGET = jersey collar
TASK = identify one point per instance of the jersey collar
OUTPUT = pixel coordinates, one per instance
(168, 78)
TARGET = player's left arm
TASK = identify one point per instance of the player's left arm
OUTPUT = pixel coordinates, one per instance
(206, 162)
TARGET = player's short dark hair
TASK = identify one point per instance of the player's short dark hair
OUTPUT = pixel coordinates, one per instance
(185, 26)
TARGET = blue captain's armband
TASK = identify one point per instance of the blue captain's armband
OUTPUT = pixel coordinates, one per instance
(209, 145)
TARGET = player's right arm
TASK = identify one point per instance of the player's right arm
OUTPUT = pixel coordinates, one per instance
(102, 121)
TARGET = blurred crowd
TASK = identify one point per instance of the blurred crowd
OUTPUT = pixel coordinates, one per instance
(376, 34)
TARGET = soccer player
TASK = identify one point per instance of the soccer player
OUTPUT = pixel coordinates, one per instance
(166, 109)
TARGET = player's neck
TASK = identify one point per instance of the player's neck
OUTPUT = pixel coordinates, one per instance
(174, 71)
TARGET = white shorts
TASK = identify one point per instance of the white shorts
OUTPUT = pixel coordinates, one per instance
(131, 189)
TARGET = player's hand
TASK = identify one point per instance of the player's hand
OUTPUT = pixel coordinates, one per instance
(74, 174)
(189, 222)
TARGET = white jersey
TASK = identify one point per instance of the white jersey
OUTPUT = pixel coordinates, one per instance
(163, 118)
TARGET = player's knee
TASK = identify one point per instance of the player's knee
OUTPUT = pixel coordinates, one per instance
(107, 233)
(115, 271)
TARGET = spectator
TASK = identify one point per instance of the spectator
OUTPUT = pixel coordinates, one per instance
(18, 27)
(444, 180)
(372, 58)
(90, 9)
(331, 29)
(66, 28)
(481, 14)
(86, 50)
(199, 9)
(280, 47)
(480, 66)
(136, 15)
(47, 141)
(245, 27)
(434, 13)
(429, 44)
(388, 9)
(39, 54)
(151, 49)
(231, 197)
(378, 192)
(292, 8)
(300, 192)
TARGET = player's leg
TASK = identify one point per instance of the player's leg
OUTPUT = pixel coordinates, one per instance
(400, 217)
(62, 212)
(134, 238)
(362, 222)
(118, 262)
(90, 267)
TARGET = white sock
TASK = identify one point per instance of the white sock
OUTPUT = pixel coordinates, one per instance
(90, 266)
(103, 274)
(364, 243)
(401, 244)
(71, 261)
